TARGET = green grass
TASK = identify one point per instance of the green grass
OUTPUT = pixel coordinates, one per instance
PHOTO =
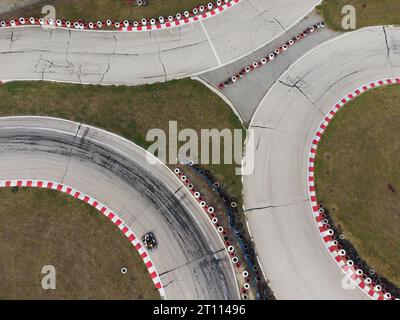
(107, 9)
(369, 12)
(85, 248)
(357, 168)
(129, 111)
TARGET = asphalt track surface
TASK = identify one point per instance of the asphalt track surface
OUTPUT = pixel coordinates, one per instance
(261, 80)
(289, 246)
(191, 259)
(290, 249)
(131, 58)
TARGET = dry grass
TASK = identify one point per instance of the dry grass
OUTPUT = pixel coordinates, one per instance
(356, 167)
(106, 9)
(86, 249)
(369, 12)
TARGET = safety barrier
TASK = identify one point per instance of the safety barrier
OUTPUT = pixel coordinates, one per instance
(145, 24)
(271, 56)
(357, 276)
(210, 211)
(230, 205)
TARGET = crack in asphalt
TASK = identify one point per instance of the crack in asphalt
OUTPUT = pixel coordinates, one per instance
(275, 206)
(185, 46)
(336, 82)
(159, 57)
(170, 282)
(106, 71)
(295, 85)
(261, 15)
(69, 62)
(387, 47)
(277, 21)
(70, 153)
(263, 127)
(258, 143)
(11, 39)
(109, 60)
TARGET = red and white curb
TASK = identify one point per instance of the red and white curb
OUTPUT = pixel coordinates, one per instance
(180, 19)
(356, 275)
(104, 210)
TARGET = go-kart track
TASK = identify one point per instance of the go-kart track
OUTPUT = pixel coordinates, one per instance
(191, 261)
(277, 198)
(131, 58)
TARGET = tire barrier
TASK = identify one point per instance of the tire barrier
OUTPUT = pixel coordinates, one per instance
(145, 24)
(271, 56)
(111, 215)
(230, 208)
(209, 210)
(375, 286)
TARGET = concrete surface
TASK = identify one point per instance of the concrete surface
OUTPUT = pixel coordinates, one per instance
(191, 259)
(288, 243)
(145, 57)
(247, 93)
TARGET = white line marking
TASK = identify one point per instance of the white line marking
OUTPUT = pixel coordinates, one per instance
(211, 44)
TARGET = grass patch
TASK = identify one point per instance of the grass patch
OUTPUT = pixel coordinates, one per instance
(358, 177)
(369, 12)
(129, 111)
(106, 9)
(86, 249)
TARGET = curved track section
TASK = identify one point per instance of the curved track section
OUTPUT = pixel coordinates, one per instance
(141, 25)
(101, 208)
(191, 260)
(356, 275)
(276, 196)
(131, 58)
